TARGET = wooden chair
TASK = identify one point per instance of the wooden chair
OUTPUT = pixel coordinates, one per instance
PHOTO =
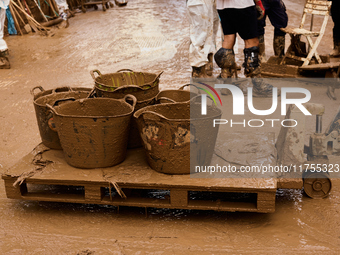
(312, 7)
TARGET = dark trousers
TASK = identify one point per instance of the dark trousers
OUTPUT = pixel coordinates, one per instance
(276, 12)
(335, 12)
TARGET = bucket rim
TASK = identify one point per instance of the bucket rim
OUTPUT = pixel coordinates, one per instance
(123, 100)
(87, 90)
(157, 76)
(140, 112)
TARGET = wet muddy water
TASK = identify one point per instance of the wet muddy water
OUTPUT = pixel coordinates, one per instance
(147, 36)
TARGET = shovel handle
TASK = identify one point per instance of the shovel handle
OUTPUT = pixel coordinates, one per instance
(37, 87)
(95, 71)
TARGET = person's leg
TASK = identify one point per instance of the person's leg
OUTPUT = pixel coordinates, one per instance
(4, 63)
(335, 10)
(251, 57)
(229, 41)
(252, 65)
(202, 38)
(216, 25)
(225, 57)
(261, 24)
(279, 19)
(3, 45)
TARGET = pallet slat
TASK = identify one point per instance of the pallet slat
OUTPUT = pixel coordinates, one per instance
(138, 181)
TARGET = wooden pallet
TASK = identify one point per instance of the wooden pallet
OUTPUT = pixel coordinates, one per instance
(59, 182)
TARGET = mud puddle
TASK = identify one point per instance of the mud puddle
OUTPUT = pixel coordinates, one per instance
(109, 41)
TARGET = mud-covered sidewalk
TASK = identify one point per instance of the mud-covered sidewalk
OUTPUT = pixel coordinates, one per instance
(149, 36)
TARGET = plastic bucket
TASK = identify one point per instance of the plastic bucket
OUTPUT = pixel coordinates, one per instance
(94, 132)
(175, 96)
(169, 132)
(142, 85)
(49, 137)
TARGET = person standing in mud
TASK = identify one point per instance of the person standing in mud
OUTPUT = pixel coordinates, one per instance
(204, 23)
(276, 12)
(335, 11)
(4, 63)
(240, 16)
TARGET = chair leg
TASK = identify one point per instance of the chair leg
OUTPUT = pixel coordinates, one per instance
(310, 41)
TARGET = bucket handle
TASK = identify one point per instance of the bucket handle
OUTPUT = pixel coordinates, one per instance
(56, 103)
(158, 75)
(195, 97)
(128, 86)
(133, 98)
(95, 71)
(166, 98)
(154, 113)
(92, 93)
(37, 87)
(151, 83)
(50, 122)
(189, 84)
(62, 89)
(121, 70)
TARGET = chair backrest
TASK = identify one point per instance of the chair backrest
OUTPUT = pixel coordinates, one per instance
(316, 7)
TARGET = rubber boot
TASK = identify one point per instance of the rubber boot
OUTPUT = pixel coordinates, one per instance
(252, 69)
(262, 49)
(199, 72)
(279, 45)
(4, 62)
(210, 65)
(225, 59)
(336, 50)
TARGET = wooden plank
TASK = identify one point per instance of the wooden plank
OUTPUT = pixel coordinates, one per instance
(222, 206)
(318, 2)
(47, 197)
(316, 7)
(316, 12)
(134, 173)
(323, 66)
(299, 31)
(266, 201)
(266, 196)
(93, 193)
(266, 206)
(290, 183)
(178, 197)
(14, 191)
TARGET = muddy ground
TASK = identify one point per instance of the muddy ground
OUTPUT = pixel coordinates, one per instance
(149, 36)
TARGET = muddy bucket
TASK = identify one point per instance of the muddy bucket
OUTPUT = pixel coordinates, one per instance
(94, 132)
(175, 96)
(49, 137)
(169, 132)
(142, 85)
(43, 92)
(142, 101)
